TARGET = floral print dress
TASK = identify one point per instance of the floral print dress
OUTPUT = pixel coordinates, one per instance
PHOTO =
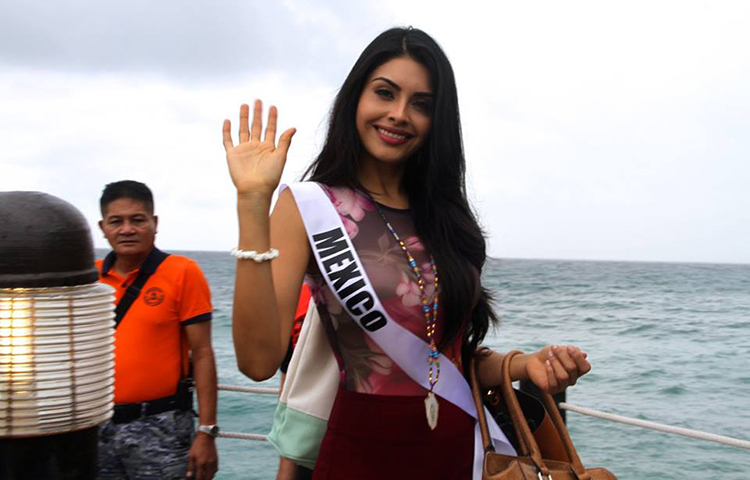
(367, 369)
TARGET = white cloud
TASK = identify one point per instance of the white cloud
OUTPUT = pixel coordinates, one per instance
(69, 135)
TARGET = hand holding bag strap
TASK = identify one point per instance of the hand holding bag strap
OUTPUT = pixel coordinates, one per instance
(477, 394)
(525, 437)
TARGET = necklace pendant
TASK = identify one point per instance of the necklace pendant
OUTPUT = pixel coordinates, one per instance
(431, 410)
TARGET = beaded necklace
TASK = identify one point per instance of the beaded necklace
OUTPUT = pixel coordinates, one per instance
(430, 310)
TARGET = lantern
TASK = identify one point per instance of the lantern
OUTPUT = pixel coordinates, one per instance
(56, 340)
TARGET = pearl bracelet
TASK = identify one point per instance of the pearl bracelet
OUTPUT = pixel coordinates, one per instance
(253, 255)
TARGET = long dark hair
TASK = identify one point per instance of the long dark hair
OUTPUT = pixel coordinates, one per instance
(434, 180)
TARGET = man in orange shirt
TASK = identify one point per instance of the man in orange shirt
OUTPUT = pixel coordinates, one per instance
(168, 321)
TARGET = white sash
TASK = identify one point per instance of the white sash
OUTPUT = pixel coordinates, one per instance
(343, 271)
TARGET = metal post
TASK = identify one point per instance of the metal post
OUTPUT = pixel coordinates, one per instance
(54, 457)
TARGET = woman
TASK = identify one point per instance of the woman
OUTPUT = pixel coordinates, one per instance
(393, 166)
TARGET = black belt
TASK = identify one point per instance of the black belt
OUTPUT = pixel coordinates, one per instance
(128, 412)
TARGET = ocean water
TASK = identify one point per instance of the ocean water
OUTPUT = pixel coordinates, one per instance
(668, 343)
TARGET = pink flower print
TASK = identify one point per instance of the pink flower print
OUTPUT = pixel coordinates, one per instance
(408, 291)
(428, 276)
(350, 202)
(429, 290)
(352, 229)
(386, 378)
(427, 272)
(413, 244)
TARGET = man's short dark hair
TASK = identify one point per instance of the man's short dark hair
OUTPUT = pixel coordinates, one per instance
(126, 189)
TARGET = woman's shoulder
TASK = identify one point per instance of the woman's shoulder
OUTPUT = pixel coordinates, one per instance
(347, 200)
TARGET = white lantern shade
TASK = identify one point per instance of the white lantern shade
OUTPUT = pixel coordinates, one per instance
(56, 359)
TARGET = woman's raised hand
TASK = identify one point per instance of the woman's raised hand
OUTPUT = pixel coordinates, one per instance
(256, 164)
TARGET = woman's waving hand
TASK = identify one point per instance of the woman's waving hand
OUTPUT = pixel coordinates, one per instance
(256, 164)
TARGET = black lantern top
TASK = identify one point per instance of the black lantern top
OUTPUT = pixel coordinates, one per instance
(44, 242)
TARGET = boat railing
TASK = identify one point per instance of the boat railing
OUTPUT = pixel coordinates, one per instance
(670, 429)
(257, 390)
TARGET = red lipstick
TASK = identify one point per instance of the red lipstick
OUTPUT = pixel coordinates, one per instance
(392, 136)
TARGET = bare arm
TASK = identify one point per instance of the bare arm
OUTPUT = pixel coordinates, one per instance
(203, 460)
(266, 293)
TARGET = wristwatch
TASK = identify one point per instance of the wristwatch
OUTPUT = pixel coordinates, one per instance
(210, 430)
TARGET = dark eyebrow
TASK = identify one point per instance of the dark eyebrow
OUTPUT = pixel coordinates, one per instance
(397, 87)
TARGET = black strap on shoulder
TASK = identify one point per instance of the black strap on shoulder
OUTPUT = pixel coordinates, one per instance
(148, 267)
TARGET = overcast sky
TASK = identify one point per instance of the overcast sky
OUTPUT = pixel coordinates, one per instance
(593, 130)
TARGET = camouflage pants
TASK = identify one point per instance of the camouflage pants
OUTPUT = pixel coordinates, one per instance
(152, 448)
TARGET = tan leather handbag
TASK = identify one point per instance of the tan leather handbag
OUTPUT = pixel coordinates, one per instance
(529, 464)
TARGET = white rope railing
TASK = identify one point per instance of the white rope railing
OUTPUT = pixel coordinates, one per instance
(261, 390)
(658, 426)
(243, 436)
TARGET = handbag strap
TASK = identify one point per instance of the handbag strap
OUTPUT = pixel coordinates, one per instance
(562, 430)
(482, 419)
(525, 436)
(527, 444)
(477, 394)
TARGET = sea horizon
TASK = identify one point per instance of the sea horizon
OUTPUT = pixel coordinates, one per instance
(533, 259)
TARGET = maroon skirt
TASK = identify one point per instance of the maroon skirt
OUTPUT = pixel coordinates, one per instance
(387, 437)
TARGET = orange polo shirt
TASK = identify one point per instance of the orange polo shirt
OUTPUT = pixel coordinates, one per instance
(149, 342)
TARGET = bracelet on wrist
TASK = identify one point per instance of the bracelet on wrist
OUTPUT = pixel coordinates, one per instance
(253, 255)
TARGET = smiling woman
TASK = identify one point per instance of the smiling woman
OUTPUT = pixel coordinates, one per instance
(387, 240)
(394, 113)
